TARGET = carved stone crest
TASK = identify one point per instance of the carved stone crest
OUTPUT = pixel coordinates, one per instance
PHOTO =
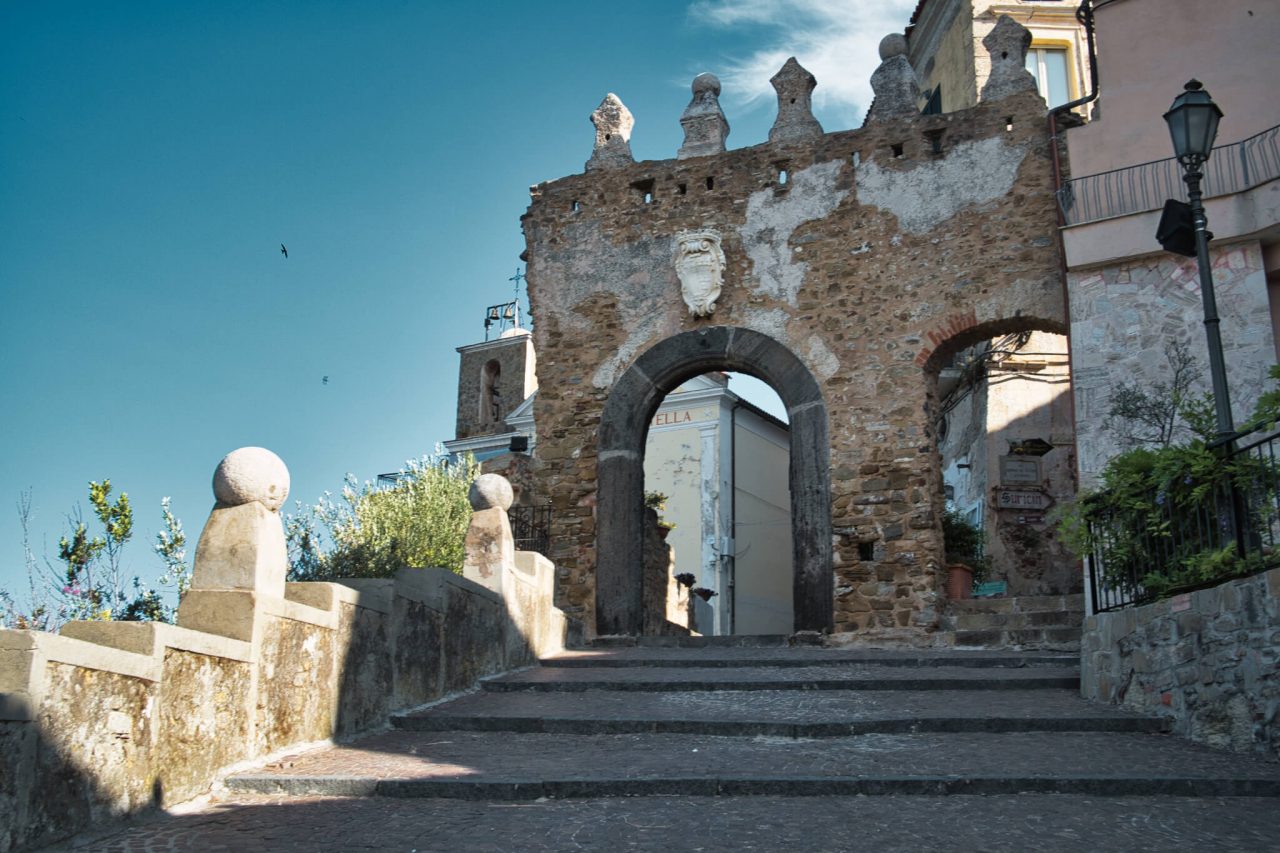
(700, 265)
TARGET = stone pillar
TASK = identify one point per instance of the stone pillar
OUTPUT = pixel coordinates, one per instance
(242, 552)
(1008, 43)
(705, 127)
(490, 548)
(894, 82)
(613, 122)
(795, 122)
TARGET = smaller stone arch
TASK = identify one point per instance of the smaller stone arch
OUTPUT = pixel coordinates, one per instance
(620, 468)
(1003, 429)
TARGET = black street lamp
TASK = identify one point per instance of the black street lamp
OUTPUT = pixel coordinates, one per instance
(1193, 124)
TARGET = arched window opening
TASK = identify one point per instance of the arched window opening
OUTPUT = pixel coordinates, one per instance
(490, 393)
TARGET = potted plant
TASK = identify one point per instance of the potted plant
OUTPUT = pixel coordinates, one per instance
(962, 543)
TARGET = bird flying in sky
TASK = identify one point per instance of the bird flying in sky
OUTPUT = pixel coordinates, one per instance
(324, 381)
(283, 250)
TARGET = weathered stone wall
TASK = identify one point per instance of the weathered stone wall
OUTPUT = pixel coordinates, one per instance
(1209, 660)
(97, 727)
(874, 254)
(1123, 316)
(108, 718)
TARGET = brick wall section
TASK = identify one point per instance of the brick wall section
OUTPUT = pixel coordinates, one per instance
(869, 265)
(1207, 660)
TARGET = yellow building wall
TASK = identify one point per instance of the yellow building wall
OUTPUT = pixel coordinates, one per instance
(673, 466)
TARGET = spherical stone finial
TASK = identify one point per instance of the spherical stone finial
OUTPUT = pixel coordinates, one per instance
(706, 82)
(251, 474)
(490, 491)
(894, 44)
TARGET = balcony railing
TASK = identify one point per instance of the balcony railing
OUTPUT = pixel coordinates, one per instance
(1136, 189)
(1229, 525)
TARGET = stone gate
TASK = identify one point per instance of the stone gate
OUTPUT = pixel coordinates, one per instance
(842, 268)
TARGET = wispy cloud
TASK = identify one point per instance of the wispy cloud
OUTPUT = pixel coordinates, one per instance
(837, 40)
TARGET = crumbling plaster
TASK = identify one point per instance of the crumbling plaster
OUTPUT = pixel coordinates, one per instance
(876, 255)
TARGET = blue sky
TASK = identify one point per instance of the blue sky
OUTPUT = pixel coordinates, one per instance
(154, 156)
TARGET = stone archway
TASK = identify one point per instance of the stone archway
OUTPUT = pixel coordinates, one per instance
(620, 468)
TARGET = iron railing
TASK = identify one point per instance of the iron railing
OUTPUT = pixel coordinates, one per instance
(1136, 189)
(1186, 543)
(531, 528)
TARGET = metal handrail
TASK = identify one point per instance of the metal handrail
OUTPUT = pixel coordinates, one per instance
(1136, 189)
(1242, 507)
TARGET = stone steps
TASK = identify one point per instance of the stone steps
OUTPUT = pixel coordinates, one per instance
(720, 721)
(786, 658)
(1048, 623)
(824, 678)
(527, 766)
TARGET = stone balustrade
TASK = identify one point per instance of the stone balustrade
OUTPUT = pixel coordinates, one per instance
(108, 718)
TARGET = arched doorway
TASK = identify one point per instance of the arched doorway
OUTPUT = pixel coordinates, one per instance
(620, 468)
(1002, 418)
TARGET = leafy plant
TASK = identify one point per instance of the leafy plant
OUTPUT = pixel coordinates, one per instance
(1212, 564)
(373, 531)
(171, 546)
(657, 502)
(1149, 413)
(91, 582)
(1162, 513)
(964, 542)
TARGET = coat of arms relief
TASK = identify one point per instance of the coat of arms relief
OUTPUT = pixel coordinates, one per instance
(699, 262)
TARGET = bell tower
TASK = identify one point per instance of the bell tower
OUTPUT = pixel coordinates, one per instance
(495, 376)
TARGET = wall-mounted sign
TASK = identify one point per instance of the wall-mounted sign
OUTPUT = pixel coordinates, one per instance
(1019, 470)
(1023, 499)
(671, 418)
(1030, 447)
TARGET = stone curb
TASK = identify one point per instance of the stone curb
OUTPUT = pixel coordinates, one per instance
(533, 789)
(1009, 661)
(437, 722)
(1066, 682)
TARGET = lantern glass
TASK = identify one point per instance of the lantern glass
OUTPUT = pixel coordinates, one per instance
(1193, 124)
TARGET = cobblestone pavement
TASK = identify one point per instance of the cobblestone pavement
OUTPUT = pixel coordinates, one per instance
(788, 657)
(594, 710)
(483, 755)
(1009, 824)
(858, 677)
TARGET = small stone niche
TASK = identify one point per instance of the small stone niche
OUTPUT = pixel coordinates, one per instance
(644, 190)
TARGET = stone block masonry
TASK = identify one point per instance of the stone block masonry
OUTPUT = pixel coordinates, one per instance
(1208, 660)
(110, 718)
(870, 255)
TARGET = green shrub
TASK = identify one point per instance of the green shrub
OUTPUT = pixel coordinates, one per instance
(1160, 513)
(965, 542)
(373, 531)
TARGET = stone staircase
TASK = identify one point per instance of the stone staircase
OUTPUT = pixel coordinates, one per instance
(723, 722)
(1044, 622)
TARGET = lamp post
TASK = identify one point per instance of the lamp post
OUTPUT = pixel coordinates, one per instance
(1193, 124)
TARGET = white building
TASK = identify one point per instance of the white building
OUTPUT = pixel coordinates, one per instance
(721, 461)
